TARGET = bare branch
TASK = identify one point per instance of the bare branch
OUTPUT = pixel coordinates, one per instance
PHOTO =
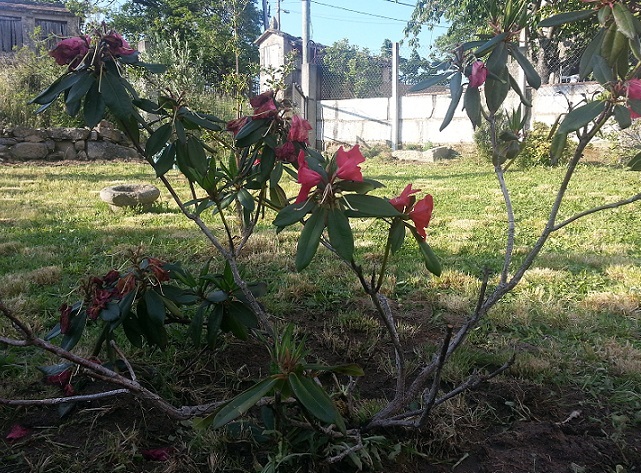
(436, 382)
(591, 211)
(511, 226)
(62, 400)
(124, 359)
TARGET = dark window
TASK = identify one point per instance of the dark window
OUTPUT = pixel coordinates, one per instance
(10, 33)
(52, 31)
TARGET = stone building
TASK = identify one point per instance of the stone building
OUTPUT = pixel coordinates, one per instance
(20, 18)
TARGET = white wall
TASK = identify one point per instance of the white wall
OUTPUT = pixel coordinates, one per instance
(369, 120)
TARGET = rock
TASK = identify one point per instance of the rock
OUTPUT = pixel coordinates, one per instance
(66, 149)
(130, 195)
(431, 155)
(71, 134)
(26, 151)
(30, 134)
(107, 132)
(8, 141)
(108, 150)
(80, 145)
(82, 156)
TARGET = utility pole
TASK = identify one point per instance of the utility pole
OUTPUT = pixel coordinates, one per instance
(309, 77)
(265, 15)
(278, 14)
(306, 23)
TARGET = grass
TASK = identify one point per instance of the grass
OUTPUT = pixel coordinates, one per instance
(575, 318)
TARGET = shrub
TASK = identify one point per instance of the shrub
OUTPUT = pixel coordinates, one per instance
(536, 148)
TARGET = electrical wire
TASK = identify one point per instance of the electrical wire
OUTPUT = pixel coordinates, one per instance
(359, 12)
(401, 3)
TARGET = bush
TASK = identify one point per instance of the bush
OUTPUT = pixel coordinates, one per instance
(22, 77)
(536, 149)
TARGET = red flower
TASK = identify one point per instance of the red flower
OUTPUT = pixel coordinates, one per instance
(286, 152)
(264, 105)
(347, 162)
(299, 130)
(70, 51)
(117, 45)
(156, 267)
(306, 178)
(61, 379)
(17, 432)
(111, 277)
(157, 454)
(422, 214)
(405, 200)
(236, 125)
(65, 318)
(126, 284)
(633, 90)
(479, 74)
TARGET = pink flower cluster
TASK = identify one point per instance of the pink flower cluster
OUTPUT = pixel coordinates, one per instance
(347, 169)
(72, 51)
(478, 75)
(419, 212)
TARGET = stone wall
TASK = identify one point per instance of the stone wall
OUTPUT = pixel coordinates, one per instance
(55, 144)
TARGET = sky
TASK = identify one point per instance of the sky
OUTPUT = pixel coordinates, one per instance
(365, 23)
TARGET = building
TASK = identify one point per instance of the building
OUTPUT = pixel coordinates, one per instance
(20, 18)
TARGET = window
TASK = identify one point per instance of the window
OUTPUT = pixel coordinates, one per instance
(10, 33)
(52, 31)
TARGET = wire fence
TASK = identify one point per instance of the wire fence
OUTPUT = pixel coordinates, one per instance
(370, 76)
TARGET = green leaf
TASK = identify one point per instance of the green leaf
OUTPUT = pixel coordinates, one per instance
(133, 330)
(94, 106)
(515, 87)
(241, 403)
(310, 238)
(158, 140)
(635, 163)
(242, 314)
(79, 90)
(314, 398)
(557, 146)
(472, 104)
(593, 47)
(201, 120)
(340, 233)
(246, 199)
(53, 370)
(362, 187)
(368, 206)
(429, 82)
(491, 44)
(110, 313)
(456, 91)
(496, 90)
(293, 213)
(155, 306)
(432, 263)
(635, 105)
(149, 106)
(197, 156)
(165, 161)
(115, 95)
(602, 71)
(153, 68)
(568, 17)
(61, 84)
(252, 132)
(73, 335)
(622, 116)
(624, 20)
(214, 321)
(396, 235)
(581, 116)
(531, 75)
(195, 329)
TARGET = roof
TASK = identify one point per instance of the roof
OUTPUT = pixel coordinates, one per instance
(269, 32)
(31, 6)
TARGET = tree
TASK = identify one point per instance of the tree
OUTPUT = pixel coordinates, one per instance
(221, 33)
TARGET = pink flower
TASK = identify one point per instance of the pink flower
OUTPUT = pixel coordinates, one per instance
(633, 90)
(306, 178)
(61, 379)
(405, 200)
(422, 214)
(347, 162)
(264, 105)
(286, 152)
(157, 454)
(156, 267)
(70, 51)
(65, 318)
(479, 74)
(299, 130)
(126, 284)
(117, 45)
(236, 125)
(17, 432)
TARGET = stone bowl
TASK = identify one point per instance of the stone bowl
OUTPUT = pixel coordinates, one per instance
(130, 195)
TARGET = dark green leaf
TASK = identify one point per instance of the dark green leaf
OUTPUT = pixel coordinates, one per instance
(593, 47)
(252, 132)
(340, 233)
(396, 235)
(197, 156)
(515, 86)
(359, 205)
(133, 331)
(622, 116)
(246, 199)
(581, 116)
(496, 90)
(217, 296)
(78, 91)
(635, 105)
(362, 187)
(315, 400)
(635, 163)
(153, 68)
(310, 238)
(240, 404)
(165, 161)
(351, 369)
(429, 82)
(59, 85)
(293, 213)
(201, 120)
(472, 104)
(602, 71)
(456, 91)
(624, 20)
(94, 106)
(155, 306)
(115, 95)
(110, 313)
(180, 131)
(531, 75)
(432, 263)
(158, 140)
(73, 335)
(568, 17)
(195, 330)
(214, 321)
(242, 313)
(557, 146)
(491, 44)
(149, 106)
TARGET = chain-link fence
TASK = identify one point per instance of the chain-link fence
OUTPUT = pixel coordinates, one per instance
(358, 75)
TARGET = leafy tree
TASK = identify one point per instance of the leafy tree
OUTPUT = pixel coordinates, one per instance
(220, 33)
(352, 72)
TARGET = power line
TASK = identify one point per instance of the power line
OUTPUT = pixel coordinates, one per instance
(359, 12)
(401, 3)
